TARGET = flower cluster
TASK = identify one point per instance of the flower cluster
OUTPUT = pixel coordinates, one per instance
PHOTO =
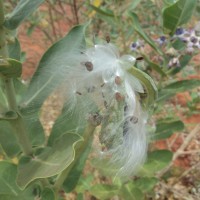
(100, 83)
(190, 37)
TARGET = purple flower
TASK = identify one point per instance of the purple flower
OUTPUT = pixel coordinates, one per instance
(136, 45)
(174, 62)
(179, 31)
(161, 40)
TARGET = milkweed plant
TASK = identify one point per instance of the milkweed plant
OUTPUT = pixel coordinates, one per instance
(99, 87)
(106, 104)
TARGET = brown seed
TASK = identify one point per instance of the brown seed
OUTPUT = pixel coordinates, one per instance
(89, 66)
(78, 93)
(102, 84)
(118, 80)
(105, 104)
(139, 58)
(119, 97)
(107, 38)
(134, 120)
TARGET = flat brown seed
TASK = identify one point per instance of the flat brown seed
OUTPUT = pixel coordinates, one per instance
(119, 97)
(139, 58)
(78, 93)
(134, 120)
(89, 66)
(107, 38)
(118, 80)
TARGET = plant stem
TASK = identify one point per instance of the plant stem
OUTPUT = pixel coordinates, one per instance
(17, 124)
(1, 13)
(79, 149)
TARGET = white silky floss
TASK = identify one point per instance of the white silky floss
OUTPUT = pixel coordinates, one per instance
(101, 76)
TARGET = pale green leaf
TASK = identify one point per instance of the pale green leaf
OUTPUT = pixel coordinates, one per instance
(130, 192)
(147, 82)
(157, 160)
(140, 31)
(163, 131)
(23, 9)
(49, 74)
(49, 162)
(103, 191)
(178, 14)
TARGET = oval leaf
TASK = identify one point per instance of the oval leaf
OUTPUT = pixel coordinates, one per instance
(10, 68)
(47, 194)
(157, 160)
(129, 191)
(51, 161)
(23, 9)
(8, 140)
(177, 14)
(183, 85)
(102, 191)
(147, 82)
(14, 49)
(8, 173)
(140, 31)
(163, 131)
(154, 66)
(49, 73)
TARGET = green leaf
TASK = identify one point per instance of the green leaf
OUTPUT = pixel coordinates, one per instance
(84, 183)
(20, 88)
(154, 66)
(183, 85)
(8, 187)
(34, 129)
(178, 86)
(8, 140)
(103, 191)
(75, 173)
(178, 44)
(169, 2)
(3, 99)
(10, 67)
(184, 60)
(107, 13)
(147, 82)
(8, 173)
(47, 194)
(178, 14)
(14, 49)
(163, 131)
(66, 123)
(146, 184)
(51, 161)
(49, 74)
(9, 115)
(23, 9)
(157, 160)
(133, 5)
(130, 192)
(140, 31)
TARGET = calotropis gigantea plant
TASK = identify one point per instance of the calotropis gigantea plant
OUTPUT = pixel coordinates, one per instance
(100, 88)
